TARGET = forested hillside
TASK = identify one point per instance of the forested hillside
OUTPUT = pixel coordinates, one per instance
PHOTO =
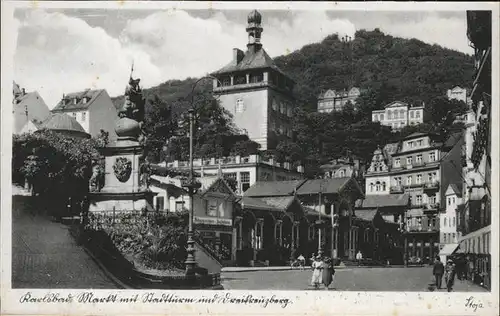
(385, 68)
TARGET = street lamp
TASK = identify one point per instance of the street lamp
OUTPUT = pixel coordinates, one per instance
(320, 221)
(192, 186)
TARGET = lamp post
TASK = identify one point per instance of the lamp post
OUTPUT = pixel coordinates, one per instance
(192, 186)
(320, 222)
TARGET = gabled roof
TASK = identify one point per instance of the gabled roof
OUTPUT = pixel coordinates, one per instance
(453, 189)
(273, 188)
(253, 59)
(330, 185)
(367, 215)
(67, 104)
(396, 104)
(417, 134)
(388, 200)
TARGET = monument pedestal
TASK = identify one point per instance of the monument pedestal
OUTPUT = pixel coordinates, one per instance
(122, 189)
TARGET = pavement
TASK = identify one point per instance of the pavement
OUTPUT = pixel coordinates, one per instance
(412, 279)
(44, 255)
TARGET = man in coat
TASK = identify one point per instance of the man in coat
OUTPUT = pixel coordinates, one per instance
(438, 272)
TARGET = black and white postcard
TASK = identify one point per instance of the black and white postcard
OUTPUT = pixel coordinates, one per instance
(252, 158)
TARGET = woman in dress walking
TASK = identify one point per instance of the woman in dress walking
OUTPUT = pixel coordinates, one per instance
(450, 272)
(328, 272)
(317, 267)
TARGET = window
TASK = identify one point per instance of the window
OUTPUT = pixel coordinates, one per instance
(240, 106)
(383, 186)
(410, 144)
(397, 162)
(453, 200)
(371, 187)
(84, 100)
(374, 118)
(419, 143)
(454, 237)
(211, 207)
(432, 156)
(377, 186)
(419, 200)
(445, 221)
(449, 201)
(408, 180)
(226, 82)
(342, 173)
(381, 117)
(389, 114)
(282, 108)
(179, 206)
(444, 237)
(419, 159)
(409, 160)
(417, 114)
(401, 113)
(432, 200)
(245, 181)
(84, 116)
(398, 181)
(419, 178)
(160, 203)
(429, 178)
(75, 101)
(74, 114)
(411, 114)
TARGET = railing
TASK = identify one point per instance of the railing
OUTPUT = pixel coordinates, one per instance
(221, 254)
(397, 189)
(422, 228)
(432, 185)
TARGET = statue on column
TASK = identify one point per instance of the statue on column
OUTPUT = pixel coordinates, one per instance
(133, 106)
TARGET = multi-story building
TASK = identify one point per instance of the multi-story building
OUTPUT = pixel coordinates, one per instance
(342, 168)
(256, 92)
(418, 169)
(458, 93)
(29, 110)
(332, 100)
(475, 212)
(245, 170)
(399, 114)
(92, 109)
(448, 234)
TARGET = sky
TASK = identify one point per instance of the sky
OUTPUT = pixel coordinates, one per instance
(68, 50)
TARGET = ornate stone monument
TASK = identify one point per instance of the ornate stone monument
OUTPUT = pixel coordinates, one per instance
(126, 174)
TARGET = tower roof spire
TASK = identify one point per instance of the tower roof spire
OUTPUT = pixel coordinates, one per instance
(254, 30)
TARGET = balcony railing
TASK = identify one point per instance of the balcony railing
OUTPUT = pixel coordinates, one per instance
(433, 185)
(397, 189)
(422, 228)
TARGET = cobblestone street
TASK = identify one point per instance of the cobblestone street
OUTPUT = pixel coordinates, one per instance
(44, 255)
(347, 279)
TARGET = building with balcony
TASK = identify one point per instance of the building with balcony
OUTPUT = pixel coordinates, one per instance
(474, 215)
(420, 167)
(335, 101)
(244, 171)
(256, 92)
(399, 114)
(28, 109)
(92, 109)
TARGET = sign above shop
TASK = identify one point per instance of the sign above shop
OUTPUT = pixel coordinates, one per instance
(213, 221)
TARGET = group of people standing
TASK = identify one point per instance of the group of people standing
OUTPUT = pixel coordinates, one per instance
(449, 272)
(323, 272)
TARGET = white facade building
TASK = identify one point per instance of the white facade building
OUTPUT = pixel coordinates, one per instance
(398, 115)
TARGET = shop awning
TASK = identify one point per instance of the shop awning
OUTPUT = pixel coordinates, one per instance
(477, 242)
(448, 249)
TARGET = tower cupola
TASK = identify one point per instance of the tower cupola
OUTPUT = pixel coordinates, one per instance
(254, 30)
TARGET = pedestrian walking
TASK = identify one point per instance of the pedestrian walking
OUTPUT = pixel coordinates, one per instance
(302, 262)
(328, 272)
(450, 272)
(317, 267)
(438, 271)
(359, 257)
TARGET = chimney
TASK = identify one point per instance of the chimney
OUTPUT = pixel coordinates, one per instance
(237, 56)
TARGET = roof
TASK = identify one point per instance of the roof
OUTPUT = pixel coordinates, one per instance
(330, 185)
(35, 106)
(267, 203)
(273, 188)
(67, 103)
(63, 122)
(253, 59)
(453, 139)
(367, 215)
(418, 134)
(396, 104)
(387, 200)
(455, 189)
